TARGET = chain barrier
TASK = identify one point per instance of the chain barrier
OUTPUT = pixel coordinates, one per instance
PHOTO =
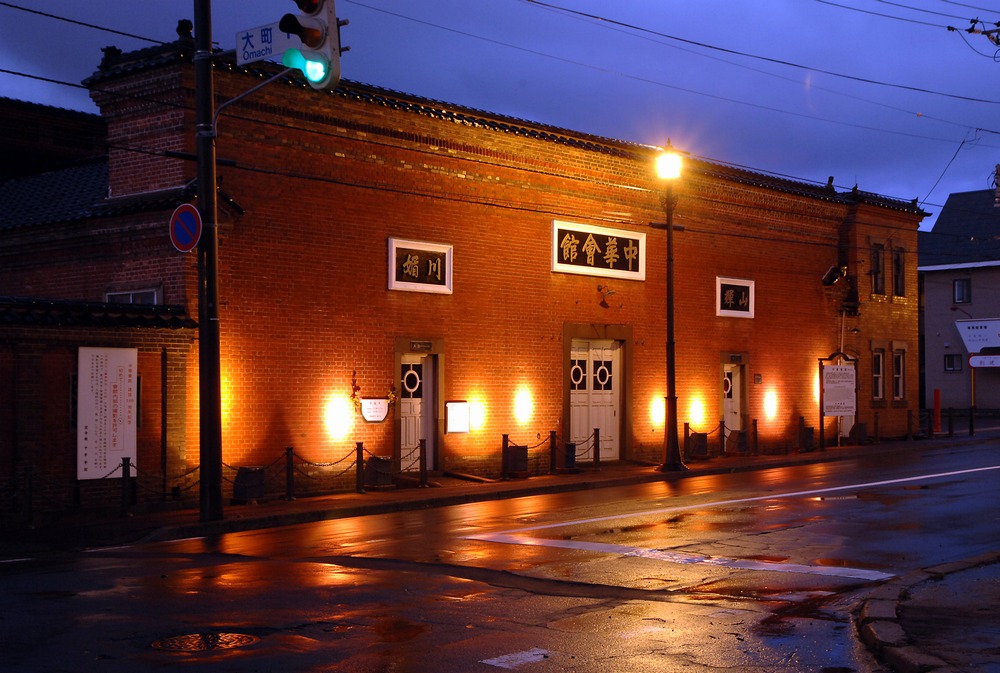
(522, 460)
(29, 492)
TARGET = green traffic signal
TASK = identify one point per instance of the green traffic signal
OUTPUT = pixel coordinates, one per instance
(313, 65)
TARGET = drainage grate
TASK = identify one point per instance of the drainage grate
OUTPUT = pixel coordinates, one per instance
(200, 642)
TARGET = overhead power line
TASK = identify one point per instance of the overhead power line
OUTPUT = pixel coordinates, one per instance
(893, 16)
(79, 23)
(767, 59)
(547, 6)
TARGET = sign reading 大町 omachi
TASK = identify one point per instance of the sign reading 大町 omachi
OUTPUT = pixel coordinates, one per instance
(598, 251)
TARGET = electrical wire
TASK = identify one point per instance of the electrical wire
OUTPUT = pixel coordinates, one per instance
(879, 14)
(767, 108)
(767, 59)
(922, 10)
(962, 4)
(76, 22)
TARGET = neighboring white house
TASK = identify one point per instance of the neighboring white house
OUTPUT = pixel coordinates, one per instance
(959, 267)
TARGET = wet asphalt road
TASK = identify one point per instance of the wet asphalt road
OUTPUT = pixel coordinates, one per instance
(756, 571)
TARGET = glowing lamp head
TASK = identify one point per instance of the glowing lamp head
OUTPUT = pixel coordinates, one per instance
(668, 164)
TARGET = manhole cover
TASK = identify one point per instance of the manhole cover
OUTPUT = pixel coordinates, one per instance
(199, 642)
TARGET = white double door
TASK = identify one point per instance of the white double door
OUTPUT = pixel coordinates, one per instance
(595, 396)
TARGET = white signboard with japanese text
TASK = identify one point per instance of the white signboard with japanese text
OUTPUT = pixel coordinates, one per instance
(839, 397)
(374, 409)
(979, 334)
(984, 360)
(106, 408)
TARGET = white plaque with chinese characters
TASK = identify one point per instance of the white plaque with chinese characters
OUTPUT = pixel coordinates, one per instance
(415, 266)
(106, 408)
(598, 251)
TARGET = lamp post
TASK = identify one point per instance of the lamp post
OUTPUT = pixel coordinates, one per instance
(668, 169)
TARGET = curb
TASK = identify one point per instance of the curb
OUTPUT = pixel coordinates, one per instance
(496, 490)
(878, 626)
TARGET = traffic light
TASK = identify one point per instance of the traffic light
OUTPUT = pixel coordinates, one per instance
(318, 29)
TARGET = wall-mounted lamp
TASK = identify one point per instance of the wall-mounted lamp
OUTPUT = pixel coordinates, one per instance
(833, 274)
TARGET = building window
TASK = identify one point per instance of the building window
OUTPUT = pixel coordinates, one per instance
(878, 269)
(898, 375)
(132, 297)
(962, 290)
(878, 375)
(953, 362)
(898, 273)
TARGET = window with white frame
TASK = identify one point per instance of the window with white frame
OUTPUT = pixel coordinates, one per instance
(144, 296)
(962, 290)
(899, 375)
(878, 374)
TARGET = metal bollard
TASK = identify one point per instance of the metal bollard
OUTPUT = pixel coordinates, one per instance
(289, 474)
(553, 467)
(504, 451)
(126, 483)
(360, 461)
(597, 448)
(423, 463)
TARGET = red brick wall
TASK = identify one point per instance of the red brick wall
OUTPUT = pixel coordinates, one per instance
(324, 180)
(37, 368)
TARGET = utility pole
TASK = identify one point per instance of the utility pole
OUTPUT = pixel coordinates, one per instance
(209, 369)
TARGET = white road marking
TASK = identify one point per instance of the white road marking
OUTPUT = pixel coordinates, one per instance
(511, 661)
(517, 536)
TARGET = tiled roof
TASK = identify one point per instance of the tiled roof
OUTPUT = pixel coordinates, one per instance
(63, 195)
(49, 313)
(967, 230)
(117, 64)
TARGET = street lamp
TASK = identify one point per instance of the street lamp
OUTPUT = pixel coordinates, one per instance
(668, 169)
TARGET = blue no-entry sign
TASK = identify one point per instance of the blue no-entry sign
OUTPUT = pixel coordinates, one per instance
(185, 227)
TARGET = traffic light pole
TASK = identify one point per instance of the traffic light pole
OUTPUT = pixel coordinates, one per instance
(209, 369)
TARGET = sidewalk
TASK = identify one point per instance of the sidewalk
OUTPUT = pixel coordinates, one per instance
(84, 529)
(941, 619)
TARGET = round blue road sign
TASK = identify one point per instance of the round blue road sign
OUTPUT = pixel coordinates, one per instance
(185, 227)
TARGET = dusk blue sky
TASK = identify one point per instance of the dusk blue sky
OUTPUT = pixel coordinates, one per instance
(877, 94)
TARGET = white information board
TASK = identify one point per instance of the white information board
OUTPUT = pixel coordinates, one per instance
(107, 390)
(839, 398)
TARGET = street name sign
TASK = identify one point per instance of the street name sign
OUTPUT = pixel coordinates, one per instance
(264, 43)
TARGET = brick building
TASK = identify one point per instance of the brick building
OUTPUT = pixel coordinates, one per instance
(429, 253)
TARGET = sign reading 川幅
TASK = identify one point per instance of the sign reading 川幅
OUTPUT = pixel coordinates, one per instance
(839, 397)
(598, 251)
(106, 394)
(420, 267)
